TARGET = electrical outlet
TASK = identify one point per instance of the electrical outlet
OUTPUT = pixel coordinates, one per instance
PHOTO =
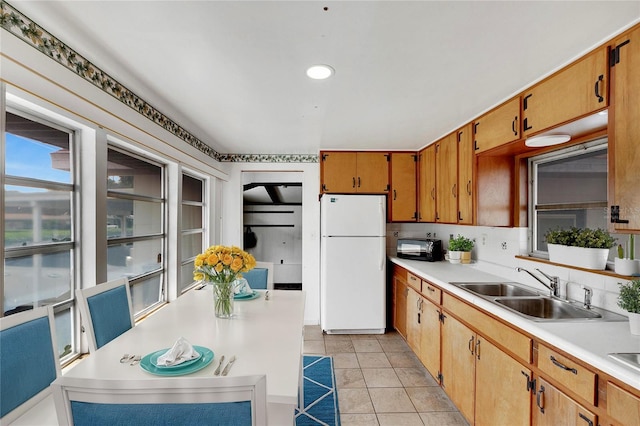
(484, 239)
(451, 236)
(395, 234)
(428, 234)
(504, 245)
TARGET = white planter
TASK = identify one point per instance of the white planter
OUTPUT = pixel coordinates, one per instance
(627, 266)
(453, 256)
(588, 258)
(634, 323)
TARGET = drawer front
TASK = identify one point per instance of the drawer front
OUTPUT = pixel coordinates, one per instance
(414, 282)
(623, 406)
(507, 337)
(573, 376)
(432, 292)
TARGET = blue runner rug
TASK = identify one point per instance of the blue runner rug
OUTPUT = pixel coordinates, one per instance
(320, 396)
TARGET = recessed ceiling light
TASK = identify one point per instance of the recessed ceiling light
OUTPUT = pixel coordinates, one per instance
(548, 140)
(320, 72)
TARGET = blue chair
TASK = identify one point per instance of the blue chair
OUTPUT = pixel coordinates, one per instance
(106, 311)
(29, 361)
(229, 401)
(260, 277)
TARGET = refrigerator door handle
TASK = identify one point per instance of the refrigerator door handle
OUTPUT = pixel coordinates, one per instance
(383, 253)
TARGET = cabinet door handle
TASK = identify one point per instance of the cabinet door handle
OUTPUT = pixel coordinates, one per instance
(471, 345)
(478, 348)
(454, 190)
(433, 193)
(540, 399)
(586, 419)
(513, 125)
(394, 195)
(358, 181)
(460, 215)
(560, 365)
(597, 88)
(469, 187)
(353, 185)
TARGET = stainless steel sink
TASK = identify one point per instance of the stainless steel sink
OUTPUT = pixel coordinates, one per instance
(630, 359)
(546, 308)
(535, 306)
(497, 289)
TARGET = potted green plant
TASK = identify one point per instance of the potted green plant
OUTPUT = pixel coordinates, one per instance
(629, 300)
(582, 247)
(627, 265)
(460, 249)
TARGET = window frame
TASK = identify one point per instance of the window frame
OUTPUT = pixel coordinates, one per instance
(67, 305)
(182, 288)
(160, 272)
(600, 144)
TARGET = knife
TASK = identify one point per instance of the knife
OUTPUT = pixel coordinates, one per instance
(215, 373)
(228, 367)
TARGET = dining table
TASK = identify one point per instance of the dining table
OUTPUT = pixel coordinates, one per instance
(265, 335)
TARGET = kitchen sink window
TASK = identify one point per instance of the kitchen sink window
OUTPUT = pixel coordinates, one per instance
(567, 188)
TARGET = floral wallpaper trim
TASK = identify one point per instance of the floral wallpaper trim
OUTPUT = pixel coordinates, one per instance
(22, 27)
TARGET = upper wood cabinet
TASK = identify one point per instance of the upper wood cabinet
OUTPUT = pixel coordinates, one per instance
(576, 91)
(447, 179)
(403, 196)
(354, 172)
(465, 175)
(427, 184)
(497, 127)
(624, 133)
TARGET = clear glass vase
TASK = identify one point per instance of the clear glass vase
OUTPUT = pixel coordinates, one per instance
(223, 299)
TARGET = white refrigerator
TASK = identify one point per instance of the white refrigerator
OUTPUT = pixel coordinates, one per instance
(353, 264)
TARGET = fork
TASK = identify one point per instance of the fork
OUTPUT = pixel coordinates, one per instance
(136, 359)
(125, 358)
(228, 367)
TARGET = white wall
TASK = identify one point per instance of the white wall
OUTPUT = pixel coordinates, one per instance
(232, 222)
(495, 252)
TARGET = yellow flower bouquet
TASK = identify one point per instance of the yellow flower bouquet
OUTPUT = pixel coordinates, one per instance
(221, 266)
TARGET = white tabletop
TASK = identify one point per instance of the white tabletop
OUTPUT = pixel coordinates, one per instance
(266, 337)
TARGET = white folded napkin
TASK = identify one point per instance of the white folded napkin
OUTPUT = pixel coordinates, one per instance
(180, 352)
(242, 287)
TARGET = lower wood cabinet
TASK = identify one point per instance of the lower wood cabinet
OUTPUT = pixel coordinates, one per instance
(429, 353)
(622, 406)
(414, 301)
(400, 301)
(487, 385)
(488, 369)
(554, 408)
(458, 365)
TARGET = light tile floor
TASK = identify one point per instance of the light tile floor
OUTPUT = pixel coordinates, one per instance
(381, 382)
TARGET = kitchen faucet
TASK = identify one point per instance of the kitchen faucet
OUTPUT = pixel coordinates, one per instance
(553, 285)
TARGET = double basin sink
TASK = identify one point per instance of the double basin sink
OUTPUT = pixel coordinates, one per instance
(532, 305)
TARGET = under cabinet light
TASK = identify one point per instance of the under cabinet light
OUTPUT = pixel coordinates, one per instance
(548, 140)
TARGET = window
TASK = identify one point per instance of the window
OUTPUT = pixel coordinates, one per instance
(38, 217)
(135, 226)
(568, 188)
(192, 232)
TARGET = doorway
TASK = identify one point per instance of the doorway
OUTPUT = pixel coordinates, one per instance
(272, 223)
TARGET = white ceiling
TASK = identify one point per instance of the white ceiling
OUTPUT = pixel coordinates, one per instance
(233, 72)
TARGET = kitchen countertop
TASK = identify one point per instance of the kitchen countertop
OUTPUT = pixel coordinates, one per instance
(588, 341)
